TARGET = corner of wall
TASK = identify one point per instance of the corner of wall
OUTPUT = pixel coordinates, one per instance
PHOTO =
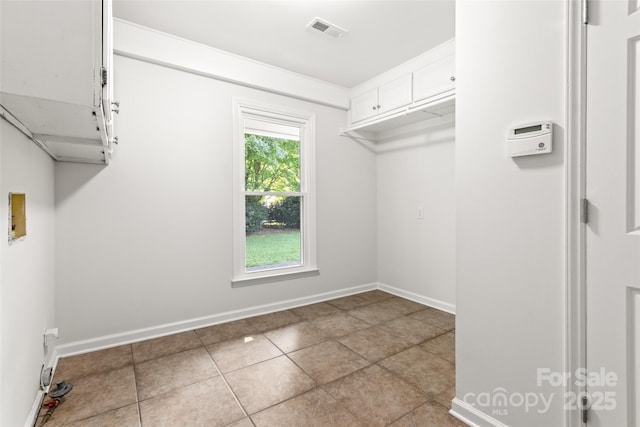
(27, 275)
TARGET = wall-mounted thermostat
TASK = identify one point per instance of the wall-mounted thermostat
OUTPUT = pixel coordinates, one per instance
(530, 139)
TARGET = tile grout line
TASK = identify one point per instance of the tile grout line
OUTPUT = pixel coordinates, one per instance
(182, 386)
(224, 379)
(87, 375)
(316, 385)
(219, 372)
(429, 396)
(432, 399)
(323, 387)
(135, 387)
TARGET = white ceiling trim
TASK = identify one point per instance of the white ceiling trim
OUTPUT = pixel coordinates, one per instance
(135, 41)
(381, 33)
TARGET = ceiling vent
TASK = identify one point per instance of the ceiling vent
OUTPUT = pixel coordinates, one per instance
(326, 27)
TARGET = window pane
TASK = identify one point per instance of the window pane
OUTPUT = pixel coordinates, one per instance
(273, 238)
(271, 164)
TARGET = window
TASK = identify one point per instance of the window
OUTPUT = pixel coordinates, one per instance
(274, 200)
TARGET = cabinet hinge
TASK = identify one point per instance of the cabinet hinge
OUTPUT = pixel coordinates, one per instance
(585, 409)
(584, 211)
(103, 76)
(585, 12)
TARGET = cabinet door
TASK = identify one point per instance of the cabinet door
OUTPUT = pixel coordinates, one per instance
(434, 79)
(48, 50)
(107, 64)
(395, 94)
(364, 106)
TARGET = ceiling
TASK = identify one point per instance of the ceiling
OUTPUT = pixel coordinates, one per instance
(382, 34)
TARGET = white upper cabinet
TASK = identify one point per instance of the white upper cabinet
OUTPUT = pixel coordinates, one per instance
(423, 85)
(434, 79)
(394, 94)
(364, 106)
(385, 98)
(55, 75)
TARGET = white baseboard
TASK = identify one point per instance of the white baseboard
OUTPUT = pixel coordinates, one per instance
(35, 409)
(32, 418)
(113, 340)
(440, 305)
(472, 416)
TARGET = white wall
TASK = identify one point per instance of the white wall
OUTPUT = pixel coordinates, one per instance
(415, 255)
(28, 300)
(509, 214)
(146, 241)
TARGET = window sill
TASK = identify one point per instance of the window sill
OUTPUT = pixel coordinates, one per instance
(269, 277)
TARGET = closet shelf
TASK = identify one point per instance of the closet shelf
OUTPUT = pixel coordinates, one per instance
(438, 110)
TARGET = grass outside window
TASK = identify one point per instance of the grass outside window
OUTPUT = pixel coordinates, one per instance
(273, 247)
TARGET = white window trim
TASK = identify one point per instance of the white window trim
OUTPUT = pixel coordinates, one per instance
(244, 108)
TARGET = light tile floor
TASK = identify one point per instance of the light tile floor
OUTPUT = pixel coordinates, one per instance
(370, 359)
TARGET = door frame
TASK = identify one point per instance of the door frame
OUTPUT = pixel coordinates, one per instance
(575, 191)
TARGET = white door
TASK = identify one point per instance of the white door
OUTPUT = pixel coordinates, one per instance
(613, 232)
